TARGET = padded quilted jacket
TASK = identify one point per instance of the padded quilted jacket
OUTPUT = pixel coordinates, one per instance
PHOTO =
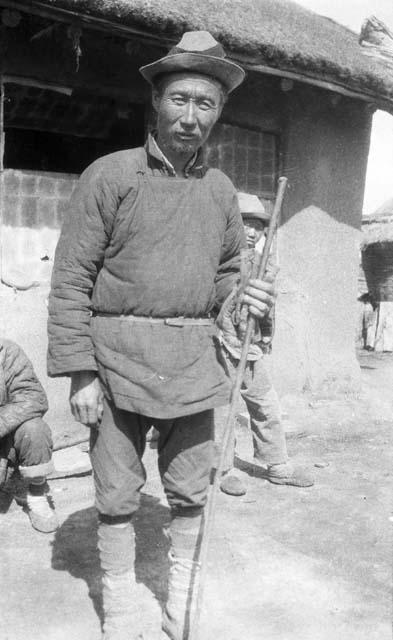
(140, 241)
(21, 394)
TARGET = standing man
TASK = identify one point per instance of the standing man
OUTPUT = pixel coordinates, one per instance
(150, 246)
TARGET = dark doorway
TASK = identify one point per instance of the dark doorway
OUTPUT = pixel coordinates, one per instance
(50, 131)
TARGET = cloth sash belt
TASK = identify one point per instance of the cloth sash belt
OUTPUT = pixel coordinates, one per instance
(178, 321)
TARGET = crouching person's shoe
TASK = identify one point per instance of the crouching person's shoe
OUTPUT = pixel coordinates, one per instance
(289, 474)
(182, 584)
(40, 509)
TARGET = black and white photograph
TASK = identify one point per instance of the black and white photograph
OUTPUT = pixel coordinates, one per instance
(196, 319)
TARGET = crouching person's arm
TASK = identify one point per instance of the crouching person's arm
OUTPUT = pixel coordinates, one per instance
(25, 397)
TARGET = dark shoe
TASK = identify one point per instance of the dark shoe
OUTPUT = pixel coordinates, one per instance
(232, 485)
(287, 474)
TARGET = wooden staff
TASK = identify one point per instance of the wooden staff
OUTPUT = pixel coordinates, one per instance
(229, 427)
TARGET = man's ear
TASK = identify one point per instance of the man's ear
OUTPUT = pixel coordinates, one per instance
(155, 99)
(223, 100)
(220, 109)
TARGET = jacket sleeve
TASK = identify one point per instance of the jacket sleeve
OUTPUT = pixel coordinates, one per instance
(234, 240)
(26, 399)
(79, 256)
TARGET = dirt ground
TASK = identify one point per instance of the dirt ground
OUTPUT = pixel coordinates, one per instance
(285, 563)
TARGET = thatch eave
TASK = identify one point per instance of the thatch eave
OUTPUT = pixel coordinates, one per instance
(377, 227)
(271, 36)
(377, 230)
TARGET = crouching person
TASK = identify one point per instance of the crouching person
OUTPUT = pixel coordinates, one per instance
(25, 439)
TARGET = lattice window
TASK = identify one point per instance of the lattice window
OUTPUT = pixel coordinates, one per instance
(248, 157)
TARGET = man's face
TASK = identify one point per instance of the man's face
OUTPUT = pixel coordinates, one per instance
(254, 229)
(187, 105)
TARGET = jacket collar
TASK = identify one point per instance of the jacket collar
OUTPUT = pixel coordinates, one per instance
(195, 166)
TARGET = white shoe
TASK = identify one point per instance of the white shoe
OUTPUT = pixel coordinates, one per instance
(40, 508)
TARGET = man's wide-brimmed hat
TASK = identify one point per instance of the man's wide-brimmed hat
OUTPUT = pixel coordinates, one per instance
(198, 52)
(251, 207)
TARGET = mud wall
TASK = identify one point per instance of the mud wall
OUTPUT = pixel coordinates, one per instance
(326, 148)
(34, 205)
(323, 143)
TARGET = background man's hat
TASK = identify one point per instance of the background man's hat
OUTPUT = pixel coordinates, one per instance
(199, 52)
(251, 207)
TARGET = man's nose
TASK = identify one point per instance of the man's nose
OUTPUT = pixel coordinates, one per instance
(189, 115)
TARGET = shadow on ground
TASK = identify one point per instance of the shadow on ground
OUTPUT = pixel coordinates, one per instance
(5, 500)
(13, 487)
(74, 549)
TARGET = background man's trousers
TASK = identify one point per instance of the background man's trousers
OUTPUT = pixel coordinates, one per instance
(263, 406)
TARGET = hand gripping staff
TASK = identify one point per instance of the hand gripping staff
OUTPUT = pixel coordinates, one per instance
(229, 427)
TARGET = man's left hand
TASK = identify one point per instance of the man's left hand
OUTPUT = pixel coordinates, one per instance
(260, 296)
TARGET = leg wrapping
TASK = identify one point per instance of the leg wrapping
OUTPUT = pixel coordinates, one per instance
(184, 570)
(116, 547)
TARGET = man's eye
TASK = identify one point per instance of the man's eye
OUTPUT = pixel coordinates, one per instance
(206, 106)
(178, 100)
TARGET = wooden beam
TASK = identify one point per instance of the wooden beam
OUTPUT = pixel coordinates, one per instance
(98, 89)
(322, 84)
(38, 84)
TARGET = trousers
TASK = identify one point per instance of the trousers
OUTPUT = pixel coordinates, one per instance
(185, 457)
(263, 406)
(31, 449)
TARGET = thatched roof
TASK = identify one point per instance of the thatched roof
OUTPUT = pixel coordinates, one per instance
(280, 35)
(386, 209)
(377, 40)
(377, 227)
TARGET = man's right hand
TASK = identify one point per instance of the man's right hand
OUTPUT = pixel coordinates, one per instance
(86, 398)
